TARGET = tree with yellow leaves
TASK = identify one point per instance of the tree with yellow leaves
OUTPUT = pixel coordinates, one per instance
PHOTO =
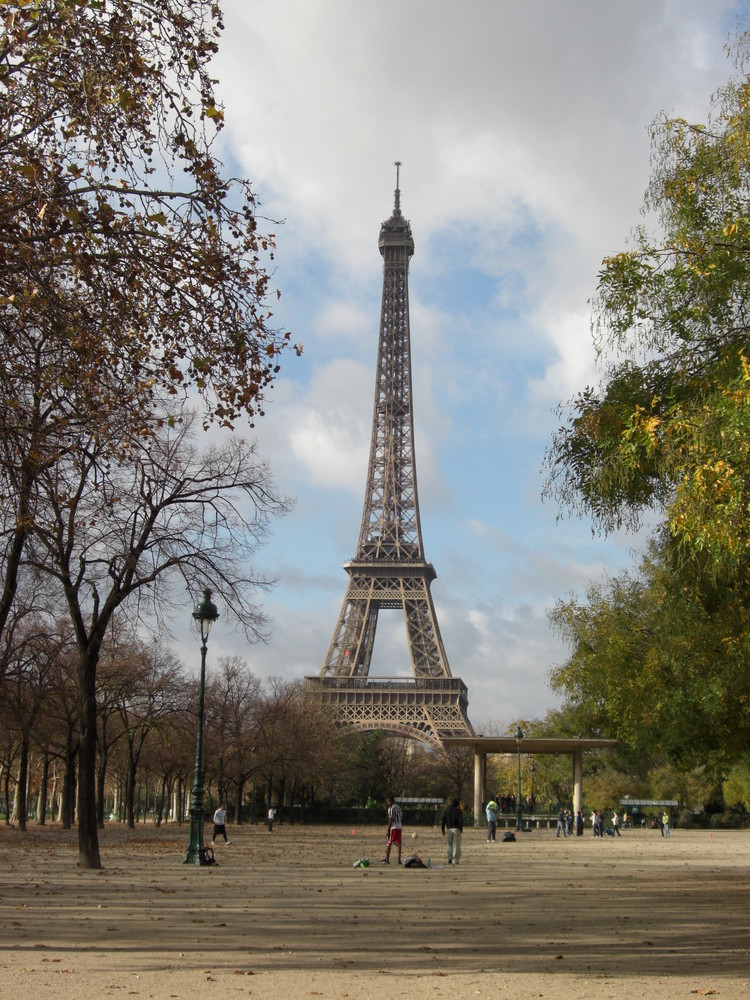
(669, 429)
(660, 659)
(133, 274)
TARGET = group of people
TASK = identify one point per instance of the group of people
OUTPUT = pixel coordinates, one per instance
(599, 828)
(452, 826)
(566, 823)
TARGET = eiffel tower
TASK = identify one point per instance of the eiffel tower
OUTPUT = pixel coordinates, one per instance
(389, 570)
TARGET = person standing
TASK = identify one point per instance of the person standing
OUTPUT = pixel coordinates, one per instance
(665, 823)
(393, 833)
(616, 825)
(452, 827)
(220, 824)
(561, 824)
(271, 818)
(579, 824)
(491, 811)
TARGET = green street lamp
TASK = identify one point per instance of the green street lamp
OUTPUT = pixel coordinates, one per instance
(205, 614)
(519, 737)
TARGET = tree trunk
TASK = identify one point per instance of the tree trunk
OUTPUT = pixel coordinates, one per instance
(281, 792)
(88, 839)
(292, 796)
(101, 776)
(130, 793)
(179, 805)
(21, 805)
(159, 806)
(101, 780)
(181, 797)
(30, 468)
(6, 784)
(41, 810)
(53, 799)
(68, 785)
(238, 803)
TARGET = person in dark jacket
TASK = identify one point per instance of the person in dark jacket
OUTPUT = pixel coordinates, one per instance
(452, 827)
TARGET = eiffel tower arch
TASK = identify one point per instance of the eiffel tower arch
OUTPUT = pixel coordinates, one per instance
(389, 570)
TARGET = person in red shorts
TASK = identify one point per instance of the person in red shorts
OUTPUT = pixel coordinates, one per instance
(393, 835)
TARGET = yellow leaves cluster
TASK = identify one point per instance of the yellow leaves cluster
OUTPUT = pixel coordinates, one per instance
(643, 427)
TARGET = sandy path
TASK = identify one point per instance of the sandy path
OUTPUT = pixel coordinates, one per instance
(286, 915)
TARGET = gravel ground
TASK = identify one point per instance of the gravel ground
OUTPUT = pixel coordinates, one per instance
(285, 914)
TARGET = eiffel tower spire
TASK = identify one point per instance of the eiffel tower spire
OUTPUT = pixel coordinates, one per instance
(389, 570)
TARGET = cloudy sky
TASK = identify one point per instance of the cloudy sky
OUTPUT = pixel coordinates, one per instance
(523, 129)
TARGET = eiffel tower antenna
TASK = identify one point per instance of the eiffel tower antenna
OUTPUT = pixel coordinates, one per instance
(389, 570)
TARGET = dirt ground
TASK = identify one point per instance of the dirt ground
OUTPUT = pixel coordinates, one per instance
(285, 914)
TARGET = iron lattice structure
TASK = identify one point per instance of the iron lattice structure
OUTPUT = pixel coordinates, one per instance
(389, 570)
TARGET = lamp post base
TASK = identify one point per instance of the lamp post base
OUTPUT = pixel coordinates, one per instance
(200, 856)
(196, 853)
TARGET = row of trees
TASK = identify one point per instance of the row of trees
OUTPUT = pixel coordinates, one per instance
(661, 654)
(134, 307)
(636, 769)
(270, 743)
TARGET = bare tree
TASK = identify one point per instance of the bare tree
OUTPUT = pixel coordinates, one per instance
(453, 769)
(61, 736)
(233, 700)
(116, 649)
(149, 678)
(129, 267)
(36, 644)
(130, 531)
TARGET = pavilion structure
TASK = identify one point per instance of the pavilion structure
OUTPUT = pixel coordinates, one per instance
(485, 745)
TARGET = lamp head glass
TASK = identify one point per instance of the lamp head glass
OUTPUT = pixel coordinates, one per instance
(205, 614)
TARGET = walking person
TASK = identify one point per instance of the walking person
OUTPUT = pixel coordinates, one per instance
(665, 824)
(220, 824)
(393, 833)
(616, 825)
(452, 827)
(491, 811)
(271, 818)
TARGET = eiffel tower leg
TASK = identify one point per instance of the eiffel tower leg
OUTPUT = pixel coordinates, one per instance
(425, 644)
(350, 651)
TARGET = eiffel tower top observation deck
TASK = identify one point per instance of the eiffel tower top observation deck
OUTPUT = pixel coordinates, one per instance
(389, 570)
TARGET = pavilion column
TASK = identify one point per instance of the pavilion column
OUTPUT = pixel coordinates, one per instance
(480, 775)
(577, 780)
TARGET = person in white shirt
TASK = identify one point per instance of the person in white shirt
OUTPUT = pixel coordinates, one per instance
(220, 821)
(393, 834)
